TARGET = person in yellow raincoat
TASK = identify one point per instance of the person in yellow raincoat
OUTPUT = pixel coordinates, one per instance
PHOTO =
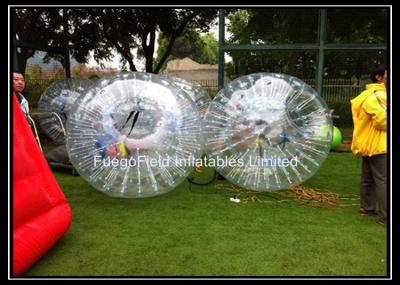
(369, 141)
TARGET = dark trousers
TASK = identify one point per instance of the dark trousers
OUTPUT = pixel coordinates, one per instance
(373, 189)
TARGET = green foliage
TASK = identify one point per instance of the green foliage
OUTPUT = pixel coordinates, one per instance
(100, 31)
(355, 25)
(301, 64)
(210, 52)
(201, 48)
(348, 63)
(299, 26)
(272, 26)
(40, 27)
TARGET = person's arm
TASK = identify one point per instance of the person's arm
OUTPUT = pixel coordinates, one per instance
(377, 111)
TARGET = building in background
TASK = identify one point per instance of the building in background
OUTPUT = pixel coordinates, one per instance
(190, 70)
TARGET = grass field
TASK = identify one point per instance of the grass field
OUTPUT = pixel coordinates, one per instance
(197, 231)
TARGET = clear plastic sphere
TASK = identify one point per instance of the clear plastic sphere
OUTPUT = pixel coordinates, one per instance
(134, 135)
(272, 130)
(56, 102)
(197, 93)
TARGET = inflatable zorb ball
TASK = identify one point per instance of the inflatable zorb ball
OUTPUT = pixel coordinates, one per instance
(134, 135)
(55, 104)
(197, 93)
(267, 131)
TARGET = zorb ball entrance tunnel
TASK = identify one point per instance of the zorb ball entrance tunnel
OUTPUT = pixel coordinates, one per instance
(272, 129)
(134, 135)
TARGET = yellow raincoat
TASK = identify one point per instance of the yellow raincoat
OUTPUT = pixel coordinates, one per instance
(369, 117)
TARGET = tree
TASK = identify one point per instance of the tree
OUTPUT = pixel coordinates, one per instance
(357, 25)
(273, 26)
(201, 48)
(102, 30)
(287, 26)
(40, 27)
(365, 26)
(210, 49)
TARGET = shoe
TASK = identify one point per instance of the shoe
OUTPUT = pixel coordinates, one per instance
(364, 212)
(382, 222)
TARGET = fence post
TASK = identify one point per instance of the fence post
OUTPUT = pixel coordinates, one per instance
(320, 56)
(221, 52)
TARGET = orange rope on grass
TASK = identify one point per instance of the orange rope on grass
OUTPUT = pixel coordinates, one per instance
(307, 196)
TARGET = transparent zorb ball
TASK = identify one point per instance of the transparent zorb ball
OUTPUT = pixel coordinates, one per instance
(55, 104)
(271, 131)
(134, 135)
(197, 93)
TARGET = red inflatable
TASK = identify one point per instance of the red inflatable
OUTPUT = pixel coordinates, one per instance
(41, 214)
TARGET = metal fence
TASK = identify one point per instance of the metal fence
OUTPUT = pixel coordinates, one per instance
(337, 93)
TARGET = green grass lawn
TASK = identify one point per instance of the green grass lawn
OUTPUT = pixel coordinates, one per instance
(199, 232)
